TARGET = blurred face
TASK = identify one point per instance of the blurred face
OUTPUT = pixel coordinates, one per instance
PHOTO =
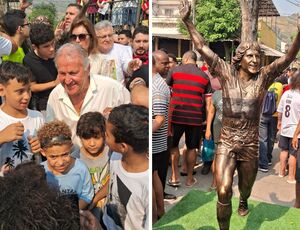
(71, 13)
(162, 64)
(250, 62)
(72, 75)
(105, 39)
(110, 139)
(17, 96)
(81, 36)
(25, 28)
(59, 158)
(93, 146)
(140, 44)
(124, 40)
(172, 63)
(45, 51)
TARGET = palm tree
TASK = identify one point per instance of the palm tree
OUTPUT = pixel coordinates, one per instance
(20, 149)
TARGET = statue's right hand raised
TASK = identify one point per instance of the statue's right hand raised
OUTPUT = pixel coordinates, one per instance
(185, 10)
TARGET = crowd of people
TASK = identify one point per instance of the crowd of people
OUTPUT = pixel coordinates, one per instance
(73, 122)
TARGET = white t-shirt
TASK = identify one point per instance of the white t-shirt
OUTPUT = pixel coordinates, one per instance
(19, 151)
(113, 64)
(289, 106)
(103, 92)
(5, 47)
(127, 206)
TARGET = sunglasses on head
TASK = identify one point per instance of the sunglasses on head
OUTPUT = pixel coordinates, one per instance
(81, 37)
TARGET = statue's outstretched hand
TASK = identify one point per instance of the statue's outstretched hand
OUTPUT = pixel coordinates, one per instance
(185, 9)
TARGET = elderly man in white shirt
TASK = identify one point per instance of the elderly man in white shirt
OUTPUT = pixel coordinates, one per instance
(114, 60)
(80, 91)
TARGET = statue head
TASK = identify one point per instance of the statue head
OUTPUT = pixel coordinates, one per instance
(241, 51)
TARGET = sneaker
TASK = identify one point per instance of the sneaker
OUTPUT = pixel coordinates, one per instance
(243, 208)
(263, 170)
(168, 196)
(270, 163)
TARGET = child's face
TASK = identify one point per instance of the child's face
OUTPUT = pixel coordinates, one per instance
(59, 158)
(93, 146)
(17, 95)
(110, 139)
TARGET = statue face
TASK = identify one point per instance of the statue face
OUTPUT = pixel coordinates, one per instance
(250, 62)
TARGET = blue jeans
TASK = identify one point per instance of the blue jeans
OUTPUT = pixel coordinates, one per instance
(267, 135)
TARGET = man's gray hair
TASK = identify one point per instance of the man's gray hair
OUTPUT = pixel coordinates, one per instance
(103, 24)
(69, 49)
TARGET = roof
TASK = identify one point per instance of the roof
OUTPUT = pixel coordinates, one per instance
(172, 36)
(270, 52)
(267, 9)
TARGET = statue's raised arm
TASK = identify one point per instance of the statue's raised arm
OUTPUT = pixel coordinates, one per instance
(198, 40)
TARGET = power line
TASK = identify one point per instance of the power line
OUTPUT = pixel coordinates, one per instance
(297, 3)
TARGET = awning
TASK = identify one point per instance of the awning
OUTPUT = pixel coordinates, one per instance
(270, 52)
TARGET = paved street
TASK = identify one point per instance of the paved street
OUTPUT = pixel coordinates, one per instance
(268, 187)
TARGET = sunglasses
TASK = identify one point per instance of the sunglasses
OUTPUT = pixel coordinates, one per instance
(81, 37)
(26, 24)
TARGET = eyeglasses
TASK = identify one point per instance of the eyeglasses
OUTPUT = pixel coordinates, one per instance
(26, 24)
(81, 37)
(106, 36)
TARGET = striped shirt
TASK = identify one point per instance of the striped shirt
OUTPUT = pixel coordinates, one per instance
(160, 103)
(189, 86)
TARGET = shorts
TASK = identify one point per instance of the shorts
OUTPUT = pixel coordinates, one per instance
(158, 160)
(285, 143)
(192, 135)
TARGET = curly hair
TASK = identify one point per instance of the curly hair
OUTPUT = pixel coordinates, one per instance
(27, 202)
(241, 50)
(130, 125)
(54, 133)
(91, 124)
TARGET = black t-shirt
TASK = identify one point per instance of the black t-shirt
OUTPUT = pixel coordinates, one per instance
(43, 71)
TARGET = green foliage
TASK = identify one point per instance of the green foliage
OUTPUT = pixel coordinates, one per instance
(216, 19)
(48, 10)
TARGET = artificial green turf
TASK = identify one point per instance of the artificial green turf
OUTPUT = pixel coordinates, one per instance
(197, 210)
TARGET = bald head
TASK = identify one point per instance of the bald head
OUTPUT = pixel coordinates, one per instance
(160, 62)
(189, 57)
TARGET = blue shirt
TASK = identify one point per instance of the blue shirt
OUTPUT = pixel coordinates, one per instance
(76, 181)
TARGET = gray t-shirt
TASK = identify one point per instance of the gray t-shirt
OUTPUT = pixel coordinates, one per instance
(98, 168)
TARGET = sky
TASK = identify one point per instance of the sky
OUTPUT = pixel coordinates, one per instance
(286, 7)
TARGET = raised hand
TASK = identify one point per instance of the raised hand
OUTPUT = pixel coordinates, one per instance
(184, 10)
(34, 144)
(12, 132)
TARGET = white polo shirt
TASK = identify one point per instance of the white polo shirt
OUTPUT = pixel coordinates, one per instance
(103, 92)
(5, 47)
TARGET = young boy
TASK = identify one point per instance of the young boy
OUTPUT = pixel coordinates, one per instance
(128, 202)
(18, 124)
(94, 153)
(63, 171)
(41, 63)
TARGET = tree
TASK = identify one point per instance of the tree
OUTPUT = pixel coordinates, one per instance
(217, 20)
(249, 12)
(48, 10)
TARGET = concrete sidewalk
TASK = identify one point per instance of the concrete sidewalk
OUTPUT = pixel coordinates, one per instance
(268, 187)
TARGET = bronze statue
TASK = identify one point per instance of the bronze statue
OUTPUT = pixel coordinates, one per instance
(244, 84)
